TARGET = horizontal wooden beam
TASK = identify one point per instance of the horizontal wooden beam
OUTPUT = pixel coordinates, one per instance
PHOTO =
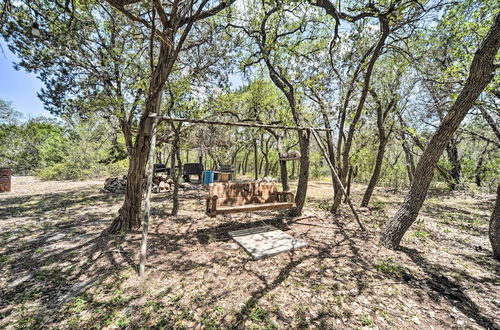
(255, 125)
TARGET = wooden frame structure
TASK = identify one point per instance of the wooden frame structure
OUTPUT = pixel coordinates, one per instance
(156, 118)
(240, 124)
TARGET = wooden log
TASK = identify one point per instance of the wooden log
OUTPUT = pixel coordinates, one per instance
(147, 206)
(256, 125)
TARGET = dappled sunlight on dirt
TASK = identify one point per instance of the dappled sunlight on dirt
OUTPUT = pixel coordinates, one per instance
(60, 269)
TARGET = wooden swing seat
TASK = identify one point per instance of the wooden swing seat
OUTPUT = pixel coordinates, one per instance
(236, 197)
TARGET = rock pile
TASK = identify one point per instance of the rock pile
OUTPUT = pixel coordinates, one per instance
(161, 183)
(268, 179)
(115, 185)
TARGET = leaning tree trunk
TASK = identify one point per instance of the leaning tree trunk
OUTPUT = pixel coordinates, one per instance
(481, 72)
(491, 121)
(494, 230)
(376, 172)
(280, 80)
(377, 51)
(410, 162)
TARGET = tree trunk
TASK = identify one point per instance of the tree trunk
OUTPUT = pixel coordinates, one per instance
(300, 197)
(344, 169)
(490, 122)
(274, 168)
(494, 229)
(456, 168)
(280, 80)
(329, 141)
(376, 172)
(481, 72)
(147, 204)
(479, 167)
(129, 215)
(177, 171)
(261, 163)
(282, 163)
(170, 47)
(255, 160)
(348, 186)
(410, 162)
(284, 175)
(245, 162)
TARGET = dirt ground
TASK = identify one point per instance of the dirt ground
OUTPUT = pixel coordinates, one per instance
(58, 269)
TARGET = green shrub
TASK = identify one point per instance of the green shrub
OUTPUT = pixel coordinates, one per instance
(75, 171)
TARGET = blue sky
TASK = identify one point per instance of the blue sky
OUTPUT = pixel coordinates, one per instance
(19, 87)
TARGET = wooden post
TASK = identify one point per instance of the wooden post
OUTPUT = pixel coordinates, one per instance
(255, 159)
(147, 205)
(335, 175)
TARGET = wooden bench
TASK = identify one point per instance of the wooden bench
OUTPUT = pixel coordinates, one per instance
(234, 197)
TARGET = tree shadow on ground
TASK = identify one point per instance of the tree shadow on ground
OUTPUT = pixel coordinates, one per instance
(38, 205)
(458, 218)
(442, 287)
(320, 251)
(57, 254)
(95, 259)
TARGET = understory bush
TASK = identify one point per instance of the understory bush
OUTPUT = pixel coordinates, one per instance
(55, 150)
(88, 156)
(72, 171)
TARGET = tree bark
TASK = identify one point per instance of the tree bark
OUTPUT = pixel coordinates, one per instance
(300, 197)
(170, 47)
(129, 215)
(376, 172)
(349, 182)
(282, 163)
(410, 162)
(255, 160)
(176, 170)
(383, 139)
(491, 122)
(481, 72)
(245, 162)
(284, 175)
(456, 168)
(479, 167)
(344, 169)
(147, 206)
(494, 229)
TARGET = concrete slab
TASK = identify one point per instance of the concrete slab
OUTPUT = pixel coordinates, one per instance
(265, 241)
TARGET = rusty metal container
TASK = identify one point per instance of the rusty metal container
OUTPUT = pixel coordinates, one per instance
(5, 179)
